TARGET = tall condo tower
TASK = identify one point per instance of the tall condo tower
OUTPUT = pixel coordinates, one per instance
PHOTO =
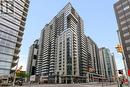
(13, 15)
(62, 51)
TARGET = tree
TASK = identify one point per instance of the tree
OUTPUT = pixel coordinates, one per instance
(22, 74)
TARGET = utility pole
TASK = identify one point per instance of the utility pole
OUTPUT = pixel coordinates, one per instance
(120, 50)
(124, 58)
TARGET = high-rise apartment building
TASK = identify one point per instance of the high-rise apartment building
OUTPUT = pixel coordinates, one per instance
(122, 11)
(93, 60)
(12, 21)
(66, 55)
(114, 66)
(107, 62)
(62, 50)
(32, 58)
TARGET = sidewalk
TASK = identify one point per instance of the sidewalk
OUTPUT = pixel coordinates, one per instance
(125, 85)
(100, 85)
(72, 85)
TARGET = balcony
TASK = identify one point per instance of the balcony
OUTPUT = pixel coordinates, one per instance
(14, 63)
(17, 50)
(19, 39)
(18, 44)
(21, 28)
(15, 57)
(20, 33)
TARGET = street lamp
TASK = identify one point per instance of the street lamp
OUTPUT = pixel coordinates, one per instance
(120, 50)
(124, 58)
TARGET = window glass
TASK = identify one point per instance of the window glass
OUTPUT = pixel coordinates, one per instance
(118, 6)
(127, 7)
(6, 50)
(7, 43)
(5, 65)
(124, 28)
(128, 48)
(4, 57)
(8, 37)
(127, 41)
(123, 22)
(4, 72)
(126, 34)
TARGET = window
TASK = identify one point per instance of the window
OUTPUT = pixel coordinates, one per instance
(7, 43)
(6, 50)
(16, 27)
(128, 19)
(126, 34)
(129, 55)
(124, 2)
(125, 8)
(120, 11)
(123, 22)
(7, 36)
(128, 48)
(128, 13)
(124, 28)
(122, 16)
(118, 6)
(8, 30)
(127, 41)
(7, 58)
(5, 65)
(4, 72)
(7, 6)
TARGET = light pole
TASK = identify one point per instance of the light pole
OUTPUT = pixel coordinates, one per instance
(124, 58)
(120, 50)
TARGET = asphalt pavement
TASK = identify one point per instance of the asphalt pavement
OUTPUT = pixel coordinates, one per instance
(69, 85)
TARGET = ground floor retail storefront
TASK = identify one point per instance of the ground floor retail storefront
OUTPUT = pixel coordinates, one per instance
(90, 77)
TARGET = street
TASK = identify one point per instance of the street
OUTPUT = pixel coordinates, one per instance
(70, 85)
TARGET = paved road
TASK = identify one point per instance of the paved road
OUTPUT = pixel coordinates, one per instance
(69, 85)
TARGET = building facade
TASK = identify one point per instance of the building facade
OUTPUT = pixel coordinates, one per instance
(66, 55)
(122, 11)
(93, 60)
(114, 66)
(62, 49)
(108, 66)
(32, 58)
(93, 56)
(12, 21)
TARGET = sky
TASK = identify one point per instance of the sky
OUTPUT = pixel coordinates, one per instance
(98, 16)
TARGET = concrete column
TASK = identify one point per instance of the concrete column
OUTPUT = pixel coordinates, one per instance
(66, 80)
(71, 79)
(87, 78)
(55, 79)
(59, 79)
